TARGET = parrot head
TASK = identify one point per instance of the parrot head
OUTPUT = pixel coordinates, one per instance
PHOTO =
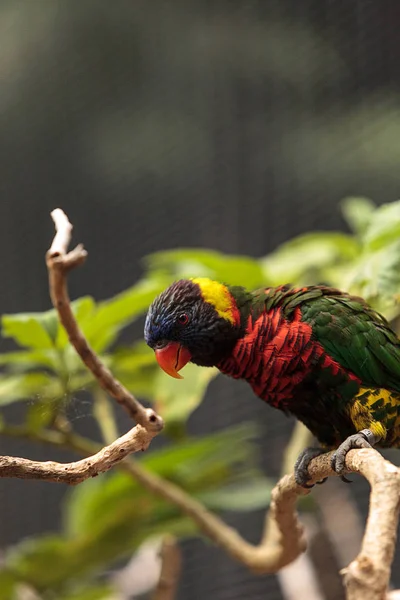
(195, 320)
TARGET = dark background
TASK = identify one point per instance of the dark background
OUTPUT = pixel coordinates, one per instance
(230, 124)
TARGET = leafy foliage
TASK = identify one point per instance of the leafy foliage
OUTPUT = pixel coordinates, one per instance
(108, 518)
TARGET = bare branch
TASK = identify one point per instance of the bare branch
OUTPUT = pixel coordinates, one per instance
(367, 577)
(59, 262)
(171, 564)
(135, 440)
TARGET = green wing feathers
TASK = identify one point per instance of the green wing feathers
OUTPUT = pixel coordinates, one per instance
(355, 336)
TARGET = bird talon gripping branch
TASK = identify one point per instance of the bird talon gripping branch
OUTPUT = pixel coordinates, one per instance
(362, 439)
(316, 352)
(301, 466)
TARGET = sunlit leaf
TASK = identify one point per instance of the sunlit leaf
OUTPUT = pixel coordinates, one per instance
(358, 212)
(192, 460)
(309, 254)
(28, 359)
(185, 263)
(378, 273)
(384, 227)
(8, 585)
(33, 330)
(39, 415)
(42, 562)
(196, 464)
(95, 592)
(26, 386)
(244, 496)
(176, 399)
(114, 314)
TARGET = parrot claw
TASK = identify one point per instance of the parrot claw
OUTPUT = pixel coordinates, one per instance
(345, 480)
(362, 439)
(323, 481)
(301, 467)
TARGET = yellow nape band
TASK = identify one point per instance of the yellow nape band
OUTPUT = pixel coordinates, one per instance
(218, 296)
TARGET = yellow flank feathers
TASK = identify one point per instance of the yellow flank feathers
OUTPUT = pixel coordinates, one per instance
(375, 409)
(363, 419)
(218, 296)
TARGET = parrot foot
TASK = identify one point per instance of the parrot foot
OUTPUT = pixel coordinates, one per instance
(362, 439)
(301, 467)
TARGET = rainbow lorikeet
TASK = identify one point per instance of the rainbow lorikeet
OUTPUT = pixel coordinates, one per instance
(315, 352)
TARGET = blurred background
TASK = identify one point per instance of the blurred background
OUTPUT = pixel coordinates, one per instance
(233, 125)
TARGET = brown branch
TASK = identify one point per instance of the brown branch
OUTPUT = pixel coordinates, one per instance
(59, 261)
(367, 577)
(72, 473)
(171, 564)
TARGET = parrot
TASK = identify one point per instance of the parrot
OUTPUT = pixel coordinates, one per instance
(314, 352)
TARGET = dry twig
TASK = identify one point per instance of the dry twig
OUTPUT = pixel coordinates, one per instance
(72, 473)
(171, 564)
(59, 262)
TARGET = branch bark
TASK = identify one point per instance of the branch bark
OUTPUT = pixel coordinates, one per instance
(171, 564)
(59, 261)
(72, 473)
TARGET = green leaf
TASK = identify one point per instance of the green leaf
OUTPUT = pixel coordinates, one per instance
(33, 330)
(185, 263)
(130, 358)
(23, 360)
(384, 227)
(39, 415)
(358, 212)
(8, 585)
(176, 399)
(95, 592)
(190, 462)
(303, 259)
(197, 464)
(136, 368)
(378, 273)
(42, 562)
(26, 386)
(244, 496)
(114, 314)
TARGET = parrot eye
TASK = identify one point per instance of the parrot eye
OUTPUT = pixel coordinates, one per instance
(160, 344)
(183, 319)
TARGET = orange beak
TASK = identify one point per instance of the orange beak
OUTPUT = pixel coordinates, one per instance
(172, 358)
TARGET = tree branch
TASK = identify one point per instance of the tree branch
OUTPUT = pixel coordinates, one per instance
(72, 473)
(59, 261)
(171, 564)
